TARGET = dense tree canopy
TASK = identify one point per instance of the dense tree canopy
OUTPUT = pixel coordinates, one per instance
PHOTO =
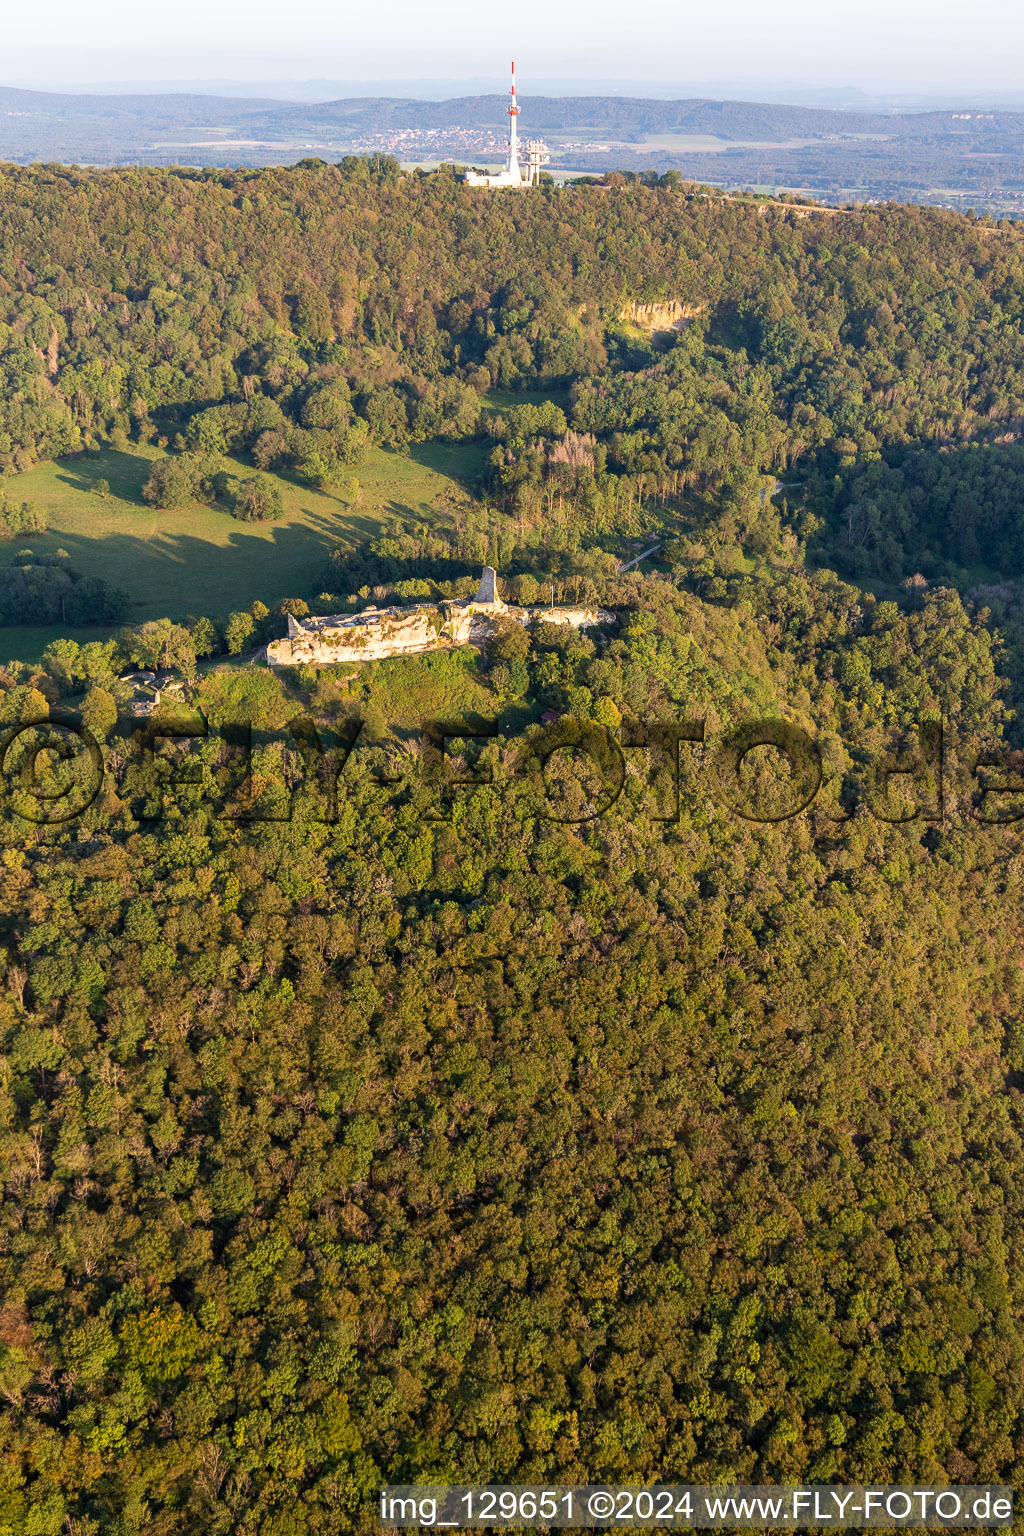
(291, 312)
(358, 1127)
(379, 1147)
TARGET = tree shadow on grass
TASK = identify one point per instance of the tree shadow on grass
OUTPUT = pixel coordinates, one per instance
(462, 461)
(125, 473)
(171, 575)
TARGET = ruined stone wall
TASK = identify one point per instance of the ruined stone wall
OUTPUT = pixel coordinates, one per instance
(377, 636)
(578, 618)
(373, 640)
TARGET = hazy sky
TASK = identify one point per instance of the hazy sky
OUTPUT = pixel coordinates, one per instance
(922, 43)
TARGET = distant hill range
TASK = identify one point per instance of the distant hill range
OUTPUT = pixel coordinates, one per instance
(52, 106)
(633, 117)
(630, 116)
(934, 156)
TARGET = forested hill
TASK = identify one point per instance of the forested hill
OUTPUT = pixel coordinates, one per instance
(638, 1126)
(319, 302)
(963, 158)
(168, 107)
(626, 115)
(633, 117)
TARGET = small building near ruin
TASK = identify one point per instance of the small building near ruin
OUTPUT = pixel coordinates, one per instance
(378, 633)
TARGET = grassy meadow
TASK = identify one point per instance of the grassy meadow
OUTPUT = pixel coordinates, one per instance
(201, 559)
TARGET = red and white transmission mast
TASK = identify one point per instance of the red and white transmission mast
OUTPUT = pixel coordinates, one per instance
(536, 154)
(513, 110)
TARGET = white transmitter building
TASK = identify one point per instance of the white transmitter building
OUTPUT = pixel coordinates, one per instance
(514, 175)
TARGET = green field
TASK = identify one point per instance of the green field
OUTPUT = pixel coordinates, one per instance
(202, 560)
(501, 400)
(27, 642)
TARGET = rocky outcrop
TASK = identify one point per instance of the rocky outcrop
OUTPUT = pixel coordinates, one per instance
(666, 315)
(379, 633)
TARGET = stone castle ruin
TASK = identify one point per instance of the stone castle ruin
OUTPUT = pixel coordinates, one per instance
(377, 633)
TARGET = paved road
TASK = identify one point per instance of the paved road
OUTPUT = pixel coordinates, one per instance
(637, 558)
